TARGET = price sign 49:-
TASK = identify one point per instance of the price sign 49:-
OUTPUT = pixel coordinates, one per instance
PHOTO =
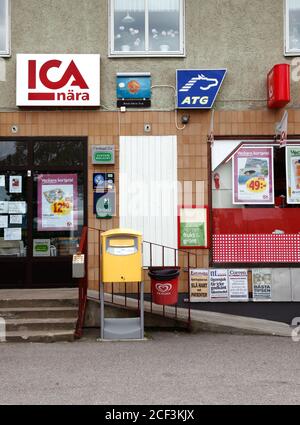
(257, 185)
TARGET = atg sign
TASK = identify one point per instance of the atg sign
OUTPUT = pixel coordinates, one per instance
(198, 88)
(58, 80)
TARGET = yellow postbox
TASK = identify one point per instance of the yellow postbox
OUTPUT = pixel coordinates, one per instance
(121, 251)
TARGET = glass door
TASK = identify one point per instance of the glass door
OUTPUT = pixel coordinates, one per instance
(42, 211)
(13, 213)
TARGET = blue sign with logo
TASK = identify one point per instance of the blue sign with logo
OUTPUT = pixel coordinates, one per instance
(198, 88)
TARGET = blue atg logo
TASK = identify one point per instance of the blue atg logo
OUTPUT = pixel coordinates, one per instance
(198, 89)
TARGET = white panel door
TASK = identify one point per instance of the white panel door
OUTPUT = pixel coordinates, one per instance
(148, 192)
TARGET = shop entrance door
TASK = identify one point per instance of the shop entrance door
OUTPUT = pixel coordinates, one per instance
(42, 210)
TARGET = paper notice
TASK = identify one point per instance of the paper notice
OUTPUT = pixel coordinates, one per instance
(13, 234)
(3, 221)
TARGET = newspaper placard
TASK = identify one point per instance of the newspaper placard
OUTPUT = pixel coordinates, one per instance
(262, 284)
(238, 285)
(199, 285)
(219, 285)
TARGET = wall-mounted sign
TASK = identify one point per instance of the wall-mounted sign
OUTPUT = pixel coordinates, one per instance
(41, 247)
(219, 285)
(199, 285)
(293, 174)
(193, 227)
(279, 91)
(57, 202)
(253, 176)
(262, 284)
(103, 155)
(105, 204)
(198, 88)
(134, 90)
(238, 285)
(58, 80)
(103, 181)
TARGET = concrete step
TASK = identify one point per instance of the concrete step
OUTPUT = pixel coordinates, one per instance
(43, 302)
(27, 325)
(38, 312)
(51, 335)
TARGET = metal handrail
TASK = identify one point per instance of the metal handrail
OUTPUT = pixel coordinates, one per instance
(83, 284)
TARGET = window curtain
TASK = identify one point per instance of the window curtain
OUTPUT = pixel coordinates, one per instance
(294, 4)
(154, 5)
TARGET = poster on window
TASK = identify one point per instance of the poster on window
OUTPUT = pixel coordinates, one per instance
(15, 184)
(262, 284)
(238, 285)
(293, 174)
(57, 202)
(253, 176)
(219, 285)
(199, 285)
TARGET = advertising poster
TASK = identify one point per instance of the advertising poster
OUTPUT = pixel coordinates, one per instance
(293, 174)
(199, 285)
(219, 285)
(193, 228)
(15, 184)
(57, 202)
(238, 285)
(262, 284)
(253, 176)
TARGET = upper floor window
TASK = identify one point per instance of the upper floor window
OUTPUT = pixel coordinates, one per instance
(4, 27)
(292, 37)
(147, 28)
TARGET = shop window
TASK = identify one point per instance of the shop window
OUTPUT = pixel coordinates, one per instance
(292, 24)
(147, 28)
(4, 27)
(264, 229)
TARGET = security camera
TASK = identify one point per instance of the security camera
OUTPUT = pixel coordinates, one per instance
(14, 129)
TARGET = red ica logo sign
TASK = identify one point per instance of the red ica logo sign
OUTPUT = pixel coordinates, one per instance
(59, 87)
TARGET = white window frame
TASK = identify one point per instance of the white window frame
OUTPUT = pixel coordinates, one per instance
(7, 51)
(112, 53)
(287, 50)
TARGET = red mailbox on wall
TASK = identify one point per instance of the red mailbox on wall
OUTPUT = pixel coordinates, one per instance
(279, 91)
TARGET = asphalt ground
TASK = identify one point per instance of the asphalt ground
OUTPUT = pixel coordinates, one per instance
(169, 368)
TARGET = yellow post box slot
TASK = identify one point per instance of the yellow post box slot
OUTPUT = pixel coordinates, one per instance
(121, 251)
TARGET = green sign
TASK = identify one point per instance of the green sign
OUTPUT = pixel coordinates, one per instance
(193, 227)
(104, 154)
(41, 247)
(192, 234)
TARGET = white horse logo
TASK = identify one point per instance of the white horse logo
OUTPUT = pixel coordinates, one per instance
(211, 82)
